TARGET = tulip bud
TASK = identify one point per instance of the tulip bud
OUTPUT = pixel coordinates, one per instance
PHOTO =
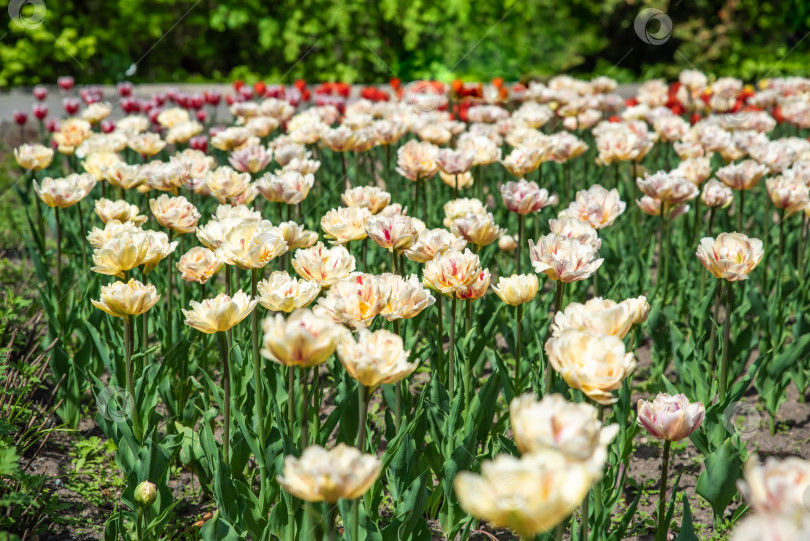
(669, 417)
(40, 110)
(65, 82)
(20, 117)
(71, 106)
(40, 92)
(145, 494)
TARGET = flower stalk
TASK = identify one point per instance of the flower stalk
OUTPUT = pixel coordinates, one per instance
(661, 534)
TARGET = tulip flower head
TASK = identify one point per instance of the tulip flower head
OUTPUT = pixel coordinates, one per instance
(375, 358)
(220, 313)
(33, 157)
(669, 417)
(564, 259)
(323, 265)
(121, 299)
(731, 256)
(198, 265)
(303, 339)
(119, 210)
(517, 289)
(64, 192)
(283, 293)
(525, 197)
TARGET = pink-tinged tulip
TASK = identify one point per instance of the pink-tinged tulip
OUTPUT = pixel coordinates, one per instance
(731, 255)
(669, 417)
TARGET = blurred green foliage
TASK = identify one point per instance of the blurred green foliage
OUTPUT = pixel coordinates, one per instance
(371, 41)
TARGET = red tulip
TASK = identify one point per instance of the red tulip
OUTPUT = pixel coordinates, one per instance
(20, 117)
(130, 105)
(300, 84)
(160, 98)
(246, 92)
(197, 101)
(199, 142)
(107, 126)
(40, 92)
(212, 97)
(65, 82)
(40, 110)
(259, 87)
(202, 115)
(125, 89)
(71, 106)
(52, 125)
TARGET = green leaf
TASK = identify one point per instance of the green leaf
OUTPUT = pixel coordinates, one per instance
(717, 483)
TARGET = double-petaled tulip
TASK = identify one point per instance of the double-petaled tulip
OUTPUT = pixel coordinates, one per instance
(251, 245)
(251, 159)
(596, 205)
(522, 161)
(344, 473)
(459, 208)
(669, 188)
(516, 289)
(394, 233)
(224, 183)
(198, 265)
(507, 243)
(296, 235)
(654, 207)
(454, 162)
(528, 495)
(776, 486)
(121, 299)
(526, 197)
(371, 197)
(452, 270)
(97, 237)
(695, 170)
(354, 301)
(220, 313)
(33, 157)
(743, 175)
(595, 364)
(669, 417)
(340, 139)
(72, 132)
(563, 258)
(290, 187)
(64, 192)
(175, 213)
(417, 160)
(303, 339)
(323, 265)
(283, 293)
(431, 242)
(484, 149)
(120, 254)
(573, 429)
(375, 358)
(788, 193)
(462, 180)
(772, 527)
(574, 228)
(407, 297)
(475, 289)
(146, 144)
(345, 224)
(159, 248)
(119, 210)
(731, 256)
(183, 132)
(598, 315)
(234, 137)
(715, 194)
(478, 229)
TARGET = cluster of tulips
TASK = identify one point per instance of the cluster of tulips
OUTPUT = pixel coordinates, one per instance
(421, 191)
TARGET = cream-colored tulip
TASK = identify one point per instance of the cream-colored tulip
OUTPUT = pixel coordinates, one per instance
(225, 183)
(517, 289)
(639, 307)
(407, 297)
(529, 495)
(574, 228)
(670, 417)
(417, 160)
(562, 258)
(323, 265)
(459, 208)
(431, 242)
(303, 339)
(251, 245)
(296, 236)
(283, 293)
(345, 224)
(290, 187)
(159, 248)
(121, 299)
(596, 205)
(778, 486)
(525, 197)
(731, 255)
(375, 358)
(64, 192)
(522, 161)
(212, 234)
(97, 237)
(715, 194)
(344, 473)
(146, 144)
(119, 210)
(598, 315)
(452, 270)
(72, 132)
(198, 265)
(175, 213)
(34, 157)
(476, 289)
(354, 301)
(595, 364)
(220, 313)
(788, 193)
(669, 188)
(371, 197)
(772, 527)
(743, 175)
(507, 243)
(394, 233)
(478, 229)
(120, 254)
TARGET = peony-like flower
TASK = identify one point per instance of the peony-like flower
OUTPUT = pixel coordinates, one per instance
(596, 205)
(172, 116)
(290, 187)
(64, 192)
(234, 137)
(340, 139)
(731, 255)
(394, 233)
(528, 495)
(695, 170)
(772, 527)
(121, 253)
(296, 236)
(345, 224)
(574, 228)
(451, 271)
(344, 473)
(250, 159)
(454, 162)
(743, 175)
(484, 149)
(198, 265)
(97, 237)
(123, 176)
(431, 242)
(573, 429)
(715, 194)
(522, 161)
(526, 197)
(406, 297)
(146, 144)
(225, 183)
(507, 243)
(593, 363)
(175, 213)
(462, 180)
(283, 293)
(517, 289)
(669, 417)
(777, 486)
(303, 339)
(251, 245)
(220, 313)
(639, 307)
(478, 229)
(565, 259)
(72, 132)
(34, 157)
(477, 288)
(119, 210)
(183, 132)
(669, 188)
(159, 248)
(459, 208)
(375, 358)
(653, 207)
(788, 192)
(371, 197)
(354, 301)
(417, 160)
(121, 299)
(323, 265)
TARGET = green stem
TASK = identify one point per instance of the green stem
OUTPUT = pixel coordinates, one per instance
(130, 378)
(779, 260)
(467, 360)
(726, 340)
(661, 534)
(440, 366)
(226, 385)
(170, 270)
(304, 409)
(60, 314)
(558, 300)
(668, 240)
(520, 240)
(81, 237)
(363, 394)
(585, 516)
(331, 515)
(227, 280)
(740, 212)
(518, 346)
(397, 390)
(139, 524)
(257, 378)
(452, 361)
(718, 295)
